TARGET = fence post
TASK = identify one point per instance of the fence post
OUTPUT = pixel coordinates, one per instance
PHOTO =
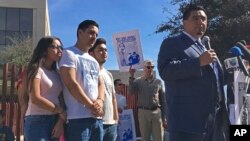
(19, 121)
(12, 92)
(4, 86)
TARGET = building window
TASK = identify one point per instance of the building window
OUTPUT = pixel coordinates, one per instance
(15, 23)
(13, 18)
(26, 19)
(2, 18)
(2, 37)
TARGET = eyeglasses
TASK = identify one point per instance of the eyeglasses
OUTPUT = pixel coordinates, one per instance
(150, 67)
(56, 47)
(120, 84)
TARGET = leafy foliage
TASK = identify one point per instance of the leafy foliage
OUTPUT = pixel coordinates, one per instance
(228, 22)
(19, 52)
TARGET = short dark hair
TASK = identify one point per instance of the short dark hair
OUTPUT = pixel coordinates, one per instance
(85, 24)
(189, 8)
(97, 42)
(116, 81)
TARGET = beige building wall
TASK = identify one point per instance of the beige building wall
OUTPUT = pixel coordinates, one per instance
(41, 24)
(124, 76)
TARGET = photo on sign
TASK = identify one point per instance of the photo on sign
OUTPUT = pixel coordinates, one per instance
(128, 50)
(126, 126)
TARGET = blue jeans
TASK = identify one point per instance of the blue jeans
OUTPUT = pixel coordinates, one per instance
(84, 129)
(109, 132)
(39, 127)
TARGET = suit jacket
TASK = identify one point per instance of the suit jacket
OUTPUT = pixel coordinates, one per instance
(191, 90)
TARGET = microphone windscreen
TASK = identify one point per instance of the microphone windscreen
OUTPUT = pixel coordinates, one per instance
(236, 51)
(245, 51)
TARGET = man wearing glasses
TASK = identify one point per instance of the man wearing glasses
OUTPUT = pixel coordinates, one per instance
(151, 102)
(120, 98)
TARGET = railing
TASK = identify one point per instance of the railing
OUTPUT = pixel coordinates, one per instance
(8, 102)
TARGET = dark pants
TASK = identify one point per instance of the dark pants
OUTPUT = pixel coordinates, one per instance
(182, 136)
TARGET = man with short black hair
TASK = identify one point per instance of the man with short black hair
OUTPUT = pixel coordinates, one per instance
(110, 118)
(83, 87)
(120, 98)
(193, 79)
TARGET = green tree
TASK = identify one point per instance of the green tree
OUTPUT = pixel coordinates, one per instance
(228, 22)
(18, 52)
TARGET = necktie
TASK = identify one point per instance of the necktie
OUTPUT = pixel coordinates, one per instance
(214, 66)
(201, 47)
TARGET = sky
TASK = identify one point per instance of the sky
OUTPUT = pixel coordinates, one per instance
(113, 16)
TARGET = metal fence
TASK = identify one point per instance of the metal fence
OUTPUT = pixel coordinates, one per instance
(9, 103)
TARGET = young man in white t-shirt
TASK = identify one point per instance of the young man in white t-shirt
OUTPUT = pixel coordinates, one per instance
(83, 87)
(110, 117)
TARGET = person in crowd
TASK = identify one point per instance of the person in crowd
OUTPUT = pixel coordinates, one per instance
(110, 117)
(193, 79)
(83, 87)
(121, 103)
(42, 87)
(151, 102)
(6, 133)
(120, 98)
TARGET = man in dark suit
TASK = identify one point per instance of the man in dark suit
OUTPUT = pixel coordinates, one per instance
(194, 83)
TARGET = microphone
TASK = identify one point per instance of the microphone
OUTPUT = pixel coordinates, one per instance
(206, 41)
(244, 49)
(236, 52)
(243, 42)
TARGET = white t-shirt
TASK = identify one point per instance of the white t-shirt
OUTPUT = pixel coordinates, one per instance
(121, 101)
(87, 72)
(109, 90)
(50, 88)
